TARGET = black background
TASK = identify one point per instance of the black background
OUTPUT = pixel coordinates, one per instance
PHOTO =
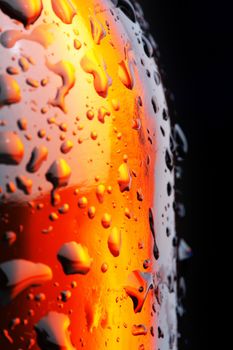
(195, 41)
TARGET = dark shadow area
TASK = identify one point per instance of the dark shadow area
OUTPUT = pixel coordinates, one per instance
(195, 40)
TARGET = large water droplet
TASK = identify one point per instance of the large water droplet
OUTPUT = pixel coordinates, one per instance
(9, 90)
(11, 148)
(26, 11)
(17, 275)
(139, 284)
(67, 73)
(94, 65)
(125, 74)
(59, 173)
(65, 10)
(53, 333)
(38, 156)
(97, 30)
(74, 259)
(41, 34)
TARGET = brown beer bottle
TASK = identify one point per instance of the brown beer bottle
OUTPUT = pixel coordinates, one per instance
(86, 180)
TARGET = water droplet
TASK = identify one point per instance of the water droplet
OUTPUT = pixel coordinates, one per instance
(59, 173)
(11, 148)
(127, 8)
(148, 48)
(169, 160)
(66, 146)
(114, 242)
(66, 295)
(125, 74)
(152, 229)
(67, 73)
(180, 140)
(38, 156)
(102, 113)
(154, 104)
(25, 11)
(104, 267)
(64, 209)
(25, 184)
(17, 275)
(100, 193)
(93, 64)
(82, 202)
(91, 212)
(9, 237)
(124, 177)
(140, 329)
(106, 220)
(184, 250)
(9, 90)
(74, 259)
(97, 30)
(53, 333)
(22, 124)
(65, 10)
(139, 281)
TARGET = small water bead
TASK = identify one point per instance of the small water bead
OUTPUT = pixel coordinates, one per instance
(64, 208)
(66, 295)
(22, 124)
(104, 267)
(91, 212)
(77, 44)
(12, 70)
(66, 146)
(106, 220)
(74, 259)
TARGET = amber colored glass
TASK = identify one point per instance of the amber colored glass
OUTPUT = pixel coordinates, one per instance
(86, 218)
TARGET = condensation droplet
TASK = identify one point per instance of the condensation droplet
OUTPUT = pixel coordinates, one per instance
(124, 177)
(53, 332)
(140, 329)
(97, 30)
(11, 148)
(139, 285)
(26, 11)
(114, 242)
(74, 259)
(67, 73)
(59, 173)
(9, 90)
(38, 156)
(65, 10)
(125, 74)
(17, 275)
(93, 64)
